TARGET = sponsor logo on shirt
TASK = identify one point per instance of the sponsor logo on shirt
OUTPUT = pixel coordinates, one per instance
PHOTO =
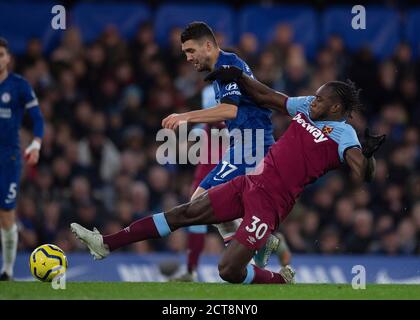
(5, 113)
(231, 86)
(232, 93)
(232, 90)
(327, 129)
(312, 129)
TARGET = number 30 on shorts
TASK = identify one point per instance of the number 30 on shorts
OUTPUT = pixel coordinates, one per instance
(259, 228)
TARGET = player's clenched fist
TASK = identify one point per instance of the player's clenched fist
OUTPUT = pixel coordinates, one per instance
(225, 74)
(174, 120)
(372, 143)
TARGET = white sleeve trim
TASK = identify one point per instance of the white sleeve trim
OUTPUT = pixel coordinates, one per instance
(31, 104)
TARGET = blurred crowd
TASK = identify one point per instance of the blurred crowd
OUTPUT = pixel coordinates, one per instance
(103, 103)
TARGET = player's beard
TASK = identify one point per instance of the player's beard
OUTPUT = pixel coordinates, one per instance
(205, 65)
(203, 68)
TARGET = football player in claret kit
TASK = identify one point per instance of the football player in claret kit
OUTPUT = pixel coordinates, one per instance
(240, 114)
(196, 234)
(317, 141)
(16, 97)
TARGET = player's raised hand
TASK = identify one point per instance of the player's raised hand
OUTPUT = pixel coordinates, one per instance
(224, 74)
(174, 120)
(372, 143)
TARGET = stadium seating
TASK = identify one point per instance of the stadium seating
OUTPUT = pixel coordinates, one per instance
(384, 26)
(25, 26)
(92, 18)
(382, 31)
(122, 95)
(220, 17)
(262, 21)
(412, 28)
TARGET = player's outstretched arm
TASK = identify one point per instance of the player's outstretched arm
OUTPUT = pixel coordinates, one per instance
(263, 95)
(362, 162)
(221, 112)
(362, 169)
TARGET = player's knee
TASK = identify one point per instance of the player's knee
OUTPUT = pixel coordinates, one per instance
(229, 272)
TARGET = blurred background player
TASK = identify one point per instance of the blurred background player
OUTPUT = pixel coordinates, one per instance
(16, 97)
(196, 234)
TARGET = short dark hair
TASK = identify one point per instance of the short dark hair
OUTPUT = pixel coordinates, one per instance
(348, 94)
(198, 30)
(4, 43)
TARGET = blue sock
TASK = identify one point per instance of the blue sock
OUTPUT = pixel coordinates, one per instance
(197, 229)
(250, 273)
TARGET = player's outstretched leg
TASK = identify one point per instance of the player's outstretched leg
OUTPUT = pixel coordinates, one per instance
(92, 239)
(199, 211)
(234, 267)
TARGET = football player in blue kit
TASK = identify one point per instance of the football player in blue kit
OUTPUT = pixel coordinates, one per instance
(16, 97)
(240, 115)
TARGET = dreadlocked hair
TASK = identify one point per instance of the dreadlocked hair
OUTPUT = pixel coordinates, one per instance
(348, 94)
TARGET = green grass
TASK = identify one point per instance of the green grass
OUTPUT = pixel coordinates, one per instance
(189, 291)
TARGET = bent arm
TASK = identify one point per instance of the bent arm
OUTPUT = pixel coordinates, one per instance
(362, 169)
(221, 112)
(262, 94)
(37, 121)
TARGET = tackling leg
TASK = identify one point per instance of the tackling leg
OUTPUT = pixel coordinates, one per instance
(197, 212)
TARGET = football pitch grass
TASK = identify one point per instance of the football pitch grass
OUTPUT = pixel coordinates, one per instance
(202, 291)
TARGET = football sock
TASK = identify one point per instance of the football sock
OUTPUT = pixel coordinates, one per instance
(151, 227)
(9, 242)
(196, 239)
(258, 275)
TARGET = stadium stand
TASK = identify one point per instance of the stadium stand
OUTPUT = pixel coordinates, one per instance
(103, 92)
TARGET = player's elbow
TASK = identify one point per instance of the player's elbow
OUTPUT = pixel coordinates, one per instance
(357, 177)
(363, 174)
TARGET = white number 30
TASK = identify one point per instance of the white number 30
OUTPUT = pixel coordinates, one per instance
(259, 230)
